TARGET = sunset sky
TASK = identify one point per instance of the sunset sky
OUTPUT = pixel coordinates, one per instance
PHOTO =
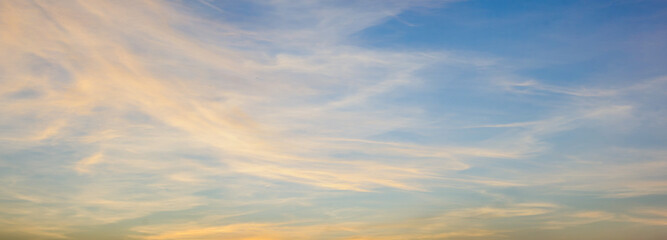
(295, 119)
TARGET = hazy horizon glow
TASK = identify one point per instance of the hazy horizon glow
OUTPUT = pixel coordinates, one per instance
(333, 119)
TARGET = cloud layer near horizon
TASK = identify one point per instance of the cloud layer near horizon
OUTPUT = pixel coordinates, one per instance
(253, 120)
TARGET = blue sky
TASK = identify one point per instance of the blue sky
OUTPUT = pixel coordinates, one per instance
(333, 119)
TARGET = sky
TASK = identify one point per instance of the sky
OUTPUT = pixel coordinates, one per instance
(374, 120)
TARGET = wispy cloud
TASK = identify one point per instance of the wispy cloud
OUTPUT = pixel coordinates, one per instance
(115, 114)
